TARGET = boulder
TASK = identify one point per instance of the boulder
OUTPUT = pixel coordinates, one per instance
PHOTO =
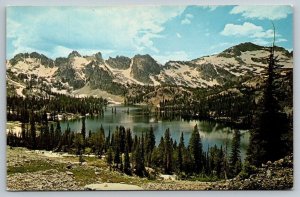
(69, 173)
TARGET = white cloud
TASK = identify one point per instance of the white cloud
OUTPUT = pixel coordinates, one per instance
(263, 42)
(267, 42)
(281, 40)
(246, 29)
(265, 34)
(178, 35)
(88, 28)
(251, 31)
(272, 12)
(171, 55)
(187, 19)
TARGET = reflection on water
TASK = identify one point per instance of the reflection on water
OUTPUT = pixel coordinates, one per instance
(138, 121)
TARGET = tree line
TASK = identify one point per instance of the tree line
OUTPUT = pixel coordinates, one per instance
(20, 108)
(135, 154)
(228, 107)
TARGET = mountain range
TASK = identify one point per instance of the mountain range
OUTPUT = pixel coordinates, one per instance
(29, 73)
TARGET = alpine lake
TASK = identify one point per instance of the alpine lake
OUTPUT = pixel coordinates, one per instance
(139, 121)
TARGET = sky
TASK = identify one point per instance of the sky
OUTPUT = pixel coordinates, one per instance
(164, 32)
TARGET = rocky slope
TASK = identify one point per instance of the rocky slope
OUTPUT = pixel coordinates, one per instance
(276, 175)
(271, 176)
(44, 170)
(29, 71)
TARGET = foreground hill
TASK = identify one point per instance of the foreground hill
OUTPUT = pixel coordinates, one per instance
(44, 170)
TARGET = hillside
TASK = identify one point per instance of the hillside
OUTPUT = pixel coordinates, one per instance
(34, 73)
(44, 170)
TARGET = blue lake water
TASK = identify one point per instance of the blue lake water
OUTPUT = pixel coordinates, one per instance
(139, 122)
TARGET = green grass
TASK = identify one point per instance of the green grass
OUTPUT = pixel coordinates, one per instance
(84, 175)
(34, 166)
(204, 178)
(116, 177)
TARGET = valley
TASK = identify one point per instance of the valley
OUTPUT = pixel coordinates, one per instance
(193, 120)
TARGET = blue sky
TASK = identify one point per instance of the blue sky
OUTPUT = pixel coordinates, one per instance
(164, 32)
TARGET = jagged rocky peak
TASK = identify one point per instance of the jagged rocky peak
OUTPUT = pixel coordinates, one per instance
(98, 56)
(143, 66)
(18, 57)
(146, 62)
(210, 70)
(119, 62)
(145, 57)
(34, 55)
(74, 54)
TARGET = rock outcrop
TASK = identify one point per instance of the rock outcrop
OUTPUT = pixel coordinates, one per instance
(143, 66)
(276, 175)
(119, 62)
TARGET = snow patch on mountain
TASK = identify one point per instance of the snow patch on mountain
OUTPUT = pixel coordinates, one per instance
(124, 76)
(67, 75)
(32, 66)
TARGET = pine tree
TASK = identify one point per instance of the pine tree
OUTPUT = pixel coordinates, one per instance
(97, 142)
(207, 163)
(122, 139)
(235, 163)
(266, 140)
(220, 163)
(51, 141)
(108, 140)
(46, 136)
(109, 158)
(32, 132)
(78, 143)
(196, 150)
(23, 134)
(151, 142)
(139, 159)
(128, 140)
(158, 154)
(117, 158)
(180, 154)
(188, 165)
(83, 132)
(57, 134)
(127, 168)
(135, 142)
(90, 133)
(168, 152)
